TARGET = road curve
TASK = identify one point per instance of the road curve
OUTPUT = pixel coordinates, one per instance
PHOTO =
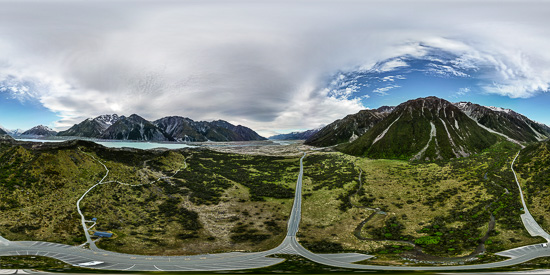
(236, 260)
(529, 222)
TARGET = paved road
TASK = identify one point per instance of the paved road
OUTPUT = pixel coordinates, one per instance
(86, 229)
(236, 260)
(528, 221)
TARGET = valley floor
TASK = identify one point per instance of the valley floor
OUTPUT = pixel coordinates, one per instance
(238, 198)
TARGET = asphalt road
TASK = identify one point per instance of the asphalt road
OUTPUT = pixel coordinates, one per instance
(237, 260)
(528, 221)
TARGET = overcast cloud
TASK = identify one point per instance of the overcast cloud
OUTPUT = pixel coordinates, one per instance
(263, 64)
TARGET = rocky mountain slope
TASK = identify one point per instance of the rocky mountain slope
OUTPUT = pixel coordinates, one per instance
(172, 128)
(39, 130)
(296, 135)
(186, 129)
(15, 133)
(349, 128)
(2, 132)
(92, 127)
(422, 129)
(242, 133)
(505, 121)
(135, 127)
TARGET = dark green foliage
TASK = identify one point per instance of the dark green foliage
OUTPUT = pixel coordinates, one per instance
(329, 171)
(392, 230)
(173, 211)
(266, 182)
(323, 246)
(242, 233)
(427, 240)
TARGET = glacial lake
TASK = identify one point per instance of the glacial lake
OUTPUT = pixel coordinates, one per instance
(120, 144)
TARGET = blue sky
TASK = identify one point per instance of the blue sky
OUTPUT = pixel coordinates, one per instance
(436, 74)
(15, 114)
(274, 66)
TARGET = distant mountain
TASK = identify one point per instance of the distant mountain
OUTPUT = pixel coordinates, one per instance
(506, 122)
(385, 109)
(296, 135)
(2, 131)
(242, 133)
(39, 130)
(422, 129)
(186, 129)
(182, 128)
(93, 128)
(15, 133)
(135, 127)
(172, 128)
(349, 128)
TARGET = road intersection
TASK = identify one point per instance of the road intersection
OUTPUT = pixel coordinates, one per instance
(108, 260)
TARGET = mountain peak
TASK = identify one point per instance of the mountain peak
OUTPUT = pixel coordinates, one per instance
(505, 122)
(39, 130)
(427, 128)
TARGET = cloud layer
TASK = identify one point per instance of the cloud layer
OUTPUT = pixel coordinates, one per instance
(264, 64)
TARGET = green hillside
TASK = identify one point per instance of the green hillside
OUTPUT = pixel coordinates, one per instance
(220, 202)
(422, 129)
(533, 168)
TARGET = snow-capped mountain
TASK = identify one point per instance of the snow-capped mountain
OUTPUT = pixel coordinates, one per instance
(506, 122)
(135, 127)
(169, 128)
(39, 130)
(186, 129)
(15, 133)
(423, 129)
(296, 135)
(349, 128)
(105, 121)
(91, 127)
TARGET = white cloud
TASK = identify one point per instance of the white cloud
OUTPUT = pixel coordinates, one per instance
(259, 64)
(392, 65)
(444, 71)
(461, 92)
(383, 90)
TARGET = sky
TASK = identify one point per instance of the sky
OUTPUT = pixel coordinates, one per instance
(274, 66)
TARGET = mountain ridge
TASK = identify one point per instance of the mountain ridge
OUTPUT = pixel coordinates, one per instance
(39, 130)
(296, 135)
(424, 129)
(348, 128)
(170, 128)
(513, 125)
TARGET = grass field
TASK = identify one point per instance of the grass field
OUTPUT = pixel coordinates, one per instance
(236, 202)
(443, 208)
(220, 202)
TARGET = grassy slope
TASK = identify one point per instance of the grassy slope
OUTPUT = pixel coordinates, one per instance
(424, 200)
(203, 209)
(533, 168)
(411, 132)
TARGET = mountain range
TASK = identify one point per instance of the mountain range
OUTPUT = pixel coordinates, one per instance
(423, 129)
(428, 128)
(296, 135)
(135, 127)
(349, 128)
